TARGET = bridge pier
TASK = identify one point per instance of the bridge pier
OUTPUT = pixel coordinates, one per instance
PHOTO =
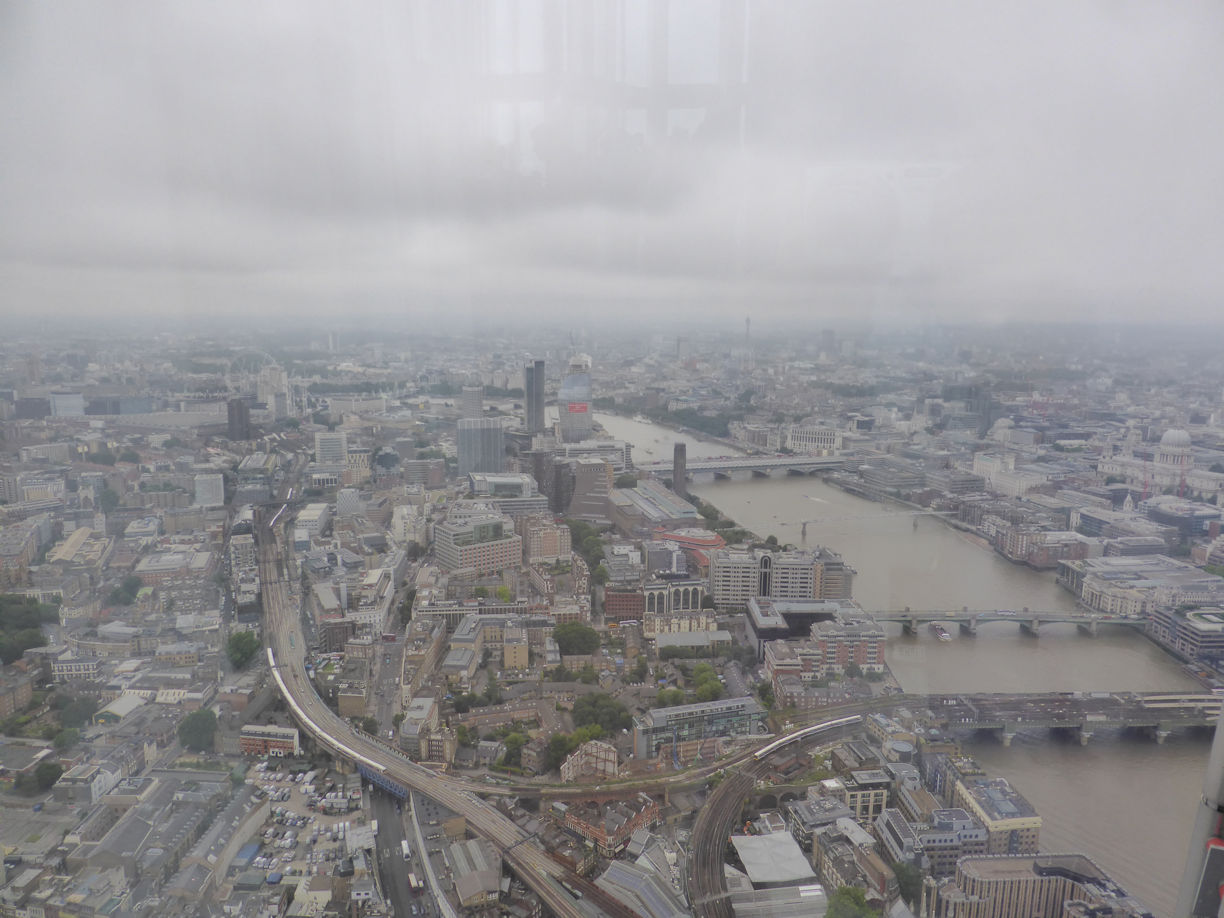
(1161, 735)
(969, 625)
(759, 473)
(1032, 626)
(1084, 736)
(1007, 737)
(1088, 627)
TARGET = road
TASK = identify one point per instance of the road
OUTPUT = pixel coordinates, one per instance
(286, 645)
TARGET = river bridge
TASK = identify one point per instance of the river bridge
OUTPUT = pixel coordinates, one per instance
(1029, 620)
(758, 466)
(1080, 713)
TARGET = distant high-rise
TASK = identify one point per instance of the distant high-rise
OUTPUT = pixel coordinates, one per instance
(574, 400)
(238, 419)
(533, 396)
(331, 448)
(471, 402)
(680, 469)
(481, 445)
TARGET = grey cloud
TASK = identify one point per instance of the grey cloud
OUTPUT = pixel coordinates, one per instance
(945, 160)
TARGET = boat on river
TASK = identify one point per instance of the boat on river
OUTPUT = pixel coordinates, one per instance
(940, 631)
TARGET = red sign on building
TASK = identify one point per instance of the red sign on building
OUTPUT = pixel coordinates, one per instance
(578, 407)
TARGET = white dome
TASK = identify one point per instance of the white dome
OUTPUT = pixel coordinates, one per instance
(1175, 439)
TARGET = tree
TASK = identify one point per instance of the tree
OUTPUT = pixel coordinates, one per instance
(601, 709)
(766, 694)
(575, 638)
(130, 455)
(669, 697)
(492, 692)
(66, 738)
(625, 480)
(909, 878)
(125, 594)
(514, 743)
(849, 902)
(108, 500)
(405, 609)
(601, 575)
(504, 594)
(641, 671)
(370, 725)
(197, 729)
(397, 720)
(77, 711)
(481, 592)
(42, 779)
(854, 671)
(463, 736)
(241, 648)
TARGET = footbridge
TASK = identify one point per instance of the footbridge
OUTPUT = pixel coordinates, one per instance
(761, 466)
(1081, 714)
(1029, 620)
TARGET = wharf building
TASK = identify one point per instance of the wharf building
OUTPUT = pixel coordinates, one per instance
(1066, 885)
(689, 722)
(787, 619)
(1136, 586)
(738, 575)
(1012, 825)
(830, 649)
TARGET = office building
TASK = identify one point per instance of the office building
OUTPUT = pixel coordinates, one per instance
(483, 542)
(533, 396)
(238, 419)
(637, 512)
(331, 448)
(574, 400)
(1061, 885)
(1012, 825)
(952, 834)
(209, 491)
(591, 489)
(481, 445)
(688, 722)
(737, 575)
(471, 402)
(269, 739)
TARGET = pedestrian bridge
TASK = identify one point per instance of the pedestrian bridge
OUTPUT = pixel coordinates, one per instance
(762, 466)
(1029, 620)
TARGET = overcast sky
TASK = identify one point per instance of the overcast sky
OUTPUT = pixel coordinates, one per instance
(982, 161)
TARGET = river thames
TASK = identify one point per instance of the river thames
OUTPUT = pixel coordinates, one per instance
(1125, 801)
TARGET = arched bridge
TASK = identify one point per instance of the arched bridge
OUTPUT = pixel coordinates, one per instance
(725, 466)
(1029, 620)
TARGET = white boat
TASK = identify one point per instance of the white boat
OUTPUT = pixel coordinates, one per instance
(940, 631)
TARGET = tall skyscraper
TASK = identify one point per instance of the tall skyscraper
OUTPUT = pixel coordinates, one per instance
(471, 402)
(680, 469)
(533, 396)
(481, 445)
(238, 419)
(574, 400)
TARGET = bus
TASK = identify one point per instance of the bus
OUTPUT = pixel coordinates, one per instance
(406, 849)
(415, 884)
